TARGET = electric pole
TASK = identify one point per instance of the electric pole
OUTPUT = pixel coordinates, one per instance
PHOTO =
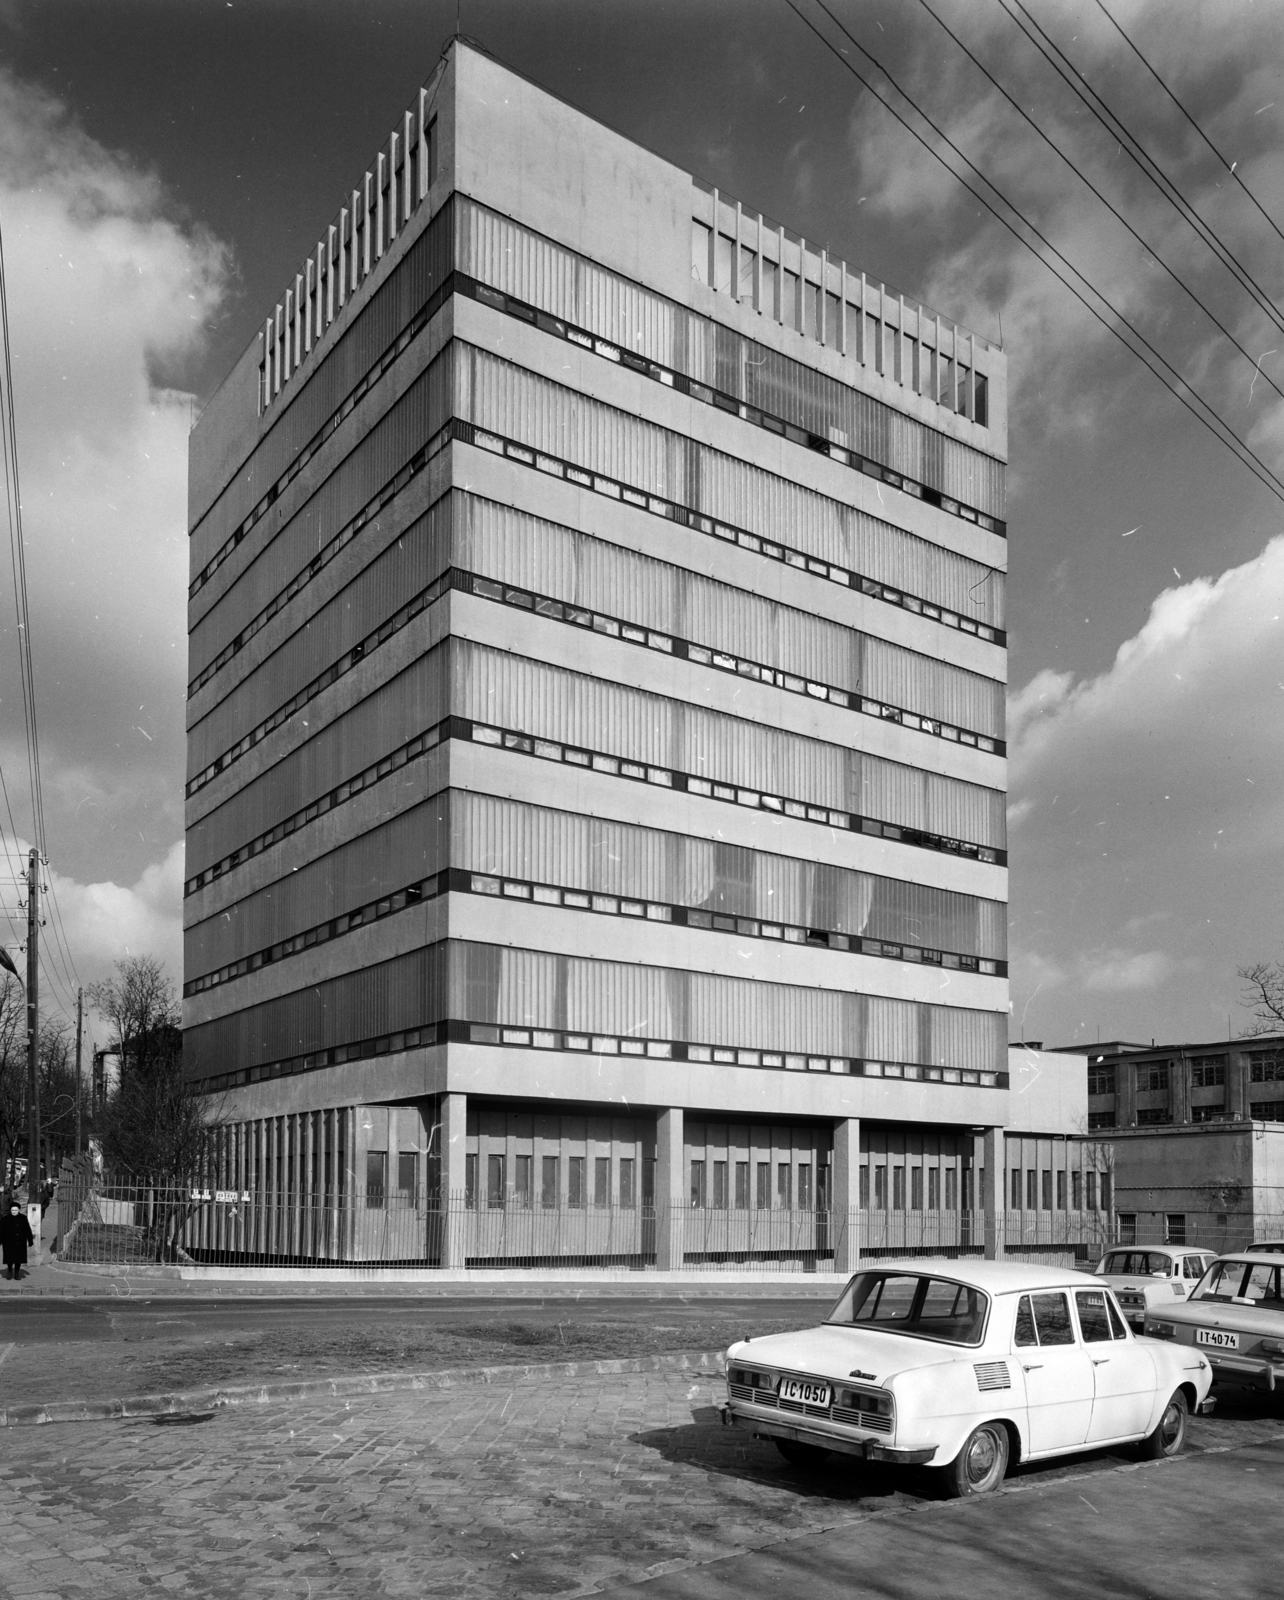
(33, 1028)
(80, 1017)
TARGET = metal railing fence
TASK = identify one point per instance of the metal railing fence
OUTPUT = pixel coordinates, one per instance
(129, 1221)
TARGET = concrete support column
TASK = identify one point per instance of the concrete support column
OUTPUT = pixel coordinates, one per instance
(844, 1201)
(1237, 1083)
(670, 1195)
(454, 1151)
(993, 1171)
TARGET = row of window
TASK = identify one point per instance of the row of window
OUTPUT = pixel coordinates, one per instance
(594, 1044)
(877, 708)
(809, 306)
(462, 882)
(708, 395)
(1206, 1072)
(723, 660)
(803, 395)
(551, 750)
(1032, 1189)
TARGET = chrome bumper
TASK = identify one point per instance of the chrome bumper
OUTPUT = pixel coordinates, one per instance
(863, 1449)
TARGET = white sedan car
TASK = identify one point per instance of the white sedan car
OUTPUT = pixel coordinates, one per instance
(965, 1366)
(1150, 1277)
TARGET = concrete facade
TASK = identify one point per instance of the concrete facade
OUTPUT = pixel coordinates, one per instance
(596, 763)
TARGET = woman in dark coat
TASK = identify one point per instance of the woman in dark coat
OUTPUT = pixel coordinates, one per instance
(15, 1237)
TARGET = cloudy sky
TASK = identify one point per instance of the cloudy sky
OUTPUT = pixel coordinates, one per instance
(163, 168)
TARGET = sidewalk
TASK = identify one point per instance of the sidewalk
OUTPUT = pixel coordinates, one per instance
(53, 1277)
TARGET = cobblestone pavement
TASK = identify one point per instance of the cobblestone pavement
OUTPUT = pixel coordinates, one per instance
(551, 1485)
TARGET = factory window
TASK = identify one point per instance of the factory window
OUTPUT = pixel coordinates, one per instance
(697, 1185)
(1101, 1119)
(934, 1188)
(628, 1194)
(898, 1188)
(1206, 1072)
(548, 1196)
(1268, 1067)
(1152, 1075)
(522, 1167)
(742, 1186)
(1153, 1116)
(406, 1172)
(785, 1186)
(1016, 1188)
(1127, 1227)
(1091, 1188)
(470, 1182)
(764, 1185)
(916, 1188)
(1032, 1189)
(1101, 1080)
(700, 236)
(804, 1186)
(1061, 1190)
(602, 1181)
(1175, 1227)
(495, 1187)
(1047, 1189)
(1267, 1111)
(1076, 1180)
(880, 1188)
(575, 1183)
(376, 1178)
(720, 1186)
(951, 1189)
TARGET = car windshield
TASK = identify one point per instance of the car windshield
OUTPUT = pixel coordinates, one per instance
(1135, 1264)
(913, 1303)
(1244, 1282)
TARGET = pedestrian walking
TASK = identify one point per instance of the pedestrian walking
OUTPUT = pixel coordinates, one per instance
(15, 1238)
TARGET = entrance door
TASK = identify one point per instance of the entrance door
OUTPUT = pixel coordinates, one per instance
(1058, 1372)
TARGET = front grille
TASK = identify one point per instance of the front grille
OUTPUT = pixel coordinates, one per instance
(870, 1420)
(862, 1419)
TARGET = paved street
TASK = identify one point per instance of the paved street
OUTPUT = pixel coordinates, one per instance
(557, 1485)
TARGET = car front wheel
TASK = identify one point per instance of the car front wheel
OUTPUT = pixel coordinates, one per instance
(1170, 1434)
(981, 1465)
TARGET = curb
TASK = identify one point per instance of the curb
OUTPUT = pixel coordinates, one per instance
(207, 1401)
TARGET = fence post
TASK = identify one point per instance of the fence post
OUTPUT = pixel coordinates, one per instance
(454, 1145)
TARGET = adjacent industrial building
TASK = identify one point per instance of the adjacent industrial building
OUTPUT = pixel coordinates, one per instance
(596, 755)
(1197, 1137)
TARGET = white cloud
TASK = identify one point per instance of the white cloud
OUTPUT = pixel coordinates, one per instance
(109, 294)
(1150, 802)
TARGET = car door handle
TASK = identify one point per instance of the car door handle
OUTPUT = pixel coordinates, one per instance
(1033, 1367)
(1100, 1361)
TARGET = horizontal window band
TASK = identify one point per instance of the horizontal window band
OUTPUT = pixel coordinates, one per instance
(645, 367)
(526, 1038)
(322, 559)
(458, 880)
(671, 510)
(724, 661)
(674, 511)
(418, 322)
(579, 616)
(336, 670)
(520, 743)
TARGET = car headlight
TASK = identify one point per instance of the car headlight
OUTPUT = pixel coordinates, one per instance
(1161, 1330)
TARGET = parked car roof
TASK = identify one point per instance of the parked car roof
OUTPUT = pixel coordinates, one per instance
(996, 1277)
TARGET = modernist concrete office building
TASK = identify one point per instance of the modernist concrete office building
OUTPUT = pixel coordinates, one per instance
(596, 773)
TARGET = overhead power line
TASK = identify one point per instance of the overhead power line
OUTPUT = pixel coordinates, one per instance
(1253, 361)
(1118, 129)
(1160, 367)
(1231, 166)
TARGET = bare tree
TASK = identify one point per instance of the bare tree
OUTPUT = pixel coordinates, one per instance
(142, 1007)
(1263, 995)
(13, 1073)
